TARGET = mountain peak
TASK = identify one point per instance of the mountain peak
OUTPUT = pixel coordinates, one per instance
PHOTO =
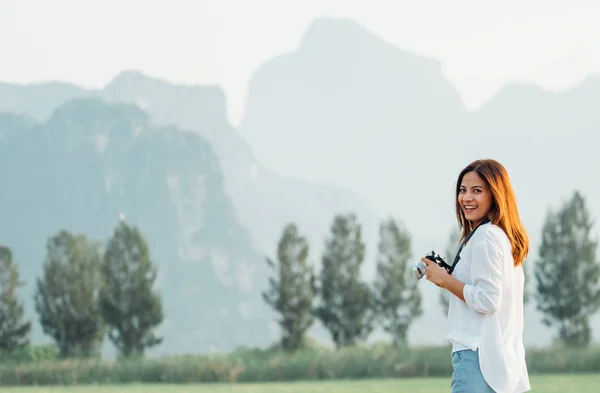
(92, 122)
(339, 36)
(137, 79)
(322, 27)
(129, 76)
(153, 93)
(519, 96)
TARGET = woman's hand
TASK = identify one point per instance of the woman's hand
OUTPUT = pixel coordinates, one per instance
(440, 277)
(435, 273)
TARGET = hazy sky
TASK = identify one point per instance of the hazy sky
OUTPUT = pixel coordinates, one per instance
(482, 44)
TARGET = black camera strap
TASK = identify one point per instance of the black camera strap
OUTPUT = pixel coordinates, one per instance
(462, 244)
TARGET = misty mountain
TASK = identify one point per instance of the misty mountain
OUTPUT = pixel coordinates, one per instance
(372, 117)
(92, 163)
(38, 100)
(388, 125)
(547, 140)
(263, 200)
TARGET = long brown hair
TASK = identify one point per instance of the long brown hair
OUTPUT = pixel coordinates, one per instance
(503, 212)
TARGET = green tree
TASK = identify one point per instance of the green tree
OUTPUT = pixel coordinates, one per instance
(14, 331)
(567, 272)
(396, 293)
(66, 298)
(292, 292)
(131, 308)
(345, 302)
(451, 248)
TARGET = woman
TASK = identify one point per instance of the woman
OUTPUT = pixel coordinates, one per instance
(486, 314)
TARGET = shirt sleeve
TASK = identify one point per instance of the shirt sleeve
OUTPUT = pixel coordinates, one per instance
(484, 292)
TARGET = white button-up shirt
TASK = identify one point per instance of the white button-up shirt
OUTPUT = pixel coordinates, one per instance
(491, 318)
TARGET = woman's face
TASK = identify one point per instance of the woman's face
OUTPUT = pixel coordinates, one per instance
(474, 198)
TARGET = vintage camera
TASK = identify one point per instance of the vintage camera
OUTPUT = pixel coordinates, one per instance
(418, 267)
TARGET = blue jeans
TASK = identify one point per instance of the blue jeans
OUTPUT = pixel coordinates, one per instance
(467, 377)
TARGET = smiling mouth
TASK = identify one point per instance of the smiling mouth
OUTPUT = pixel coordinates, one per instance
(469, 208)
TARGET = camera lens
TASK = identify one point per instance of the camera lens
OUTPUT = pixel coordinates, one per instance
(418, 269)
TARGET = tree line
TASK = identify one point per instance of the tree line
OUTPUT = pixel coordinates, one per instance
(86, 292)
(566, 274)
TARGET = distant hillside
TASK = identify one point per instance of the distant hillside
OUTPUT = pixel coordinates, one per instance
(349, 109)
(90, 163)
(264, 201)
(38, 100)
(388, 125)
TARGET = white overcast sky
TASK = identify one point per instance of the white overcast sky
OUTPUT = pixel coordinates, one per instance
(482, 44)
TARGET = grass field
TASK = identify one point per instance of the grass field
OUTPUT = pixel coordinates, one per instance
(588, 383)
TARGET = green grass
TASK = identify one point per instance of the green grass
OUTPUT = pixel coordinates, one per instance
(248, 365)
(580, 383)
